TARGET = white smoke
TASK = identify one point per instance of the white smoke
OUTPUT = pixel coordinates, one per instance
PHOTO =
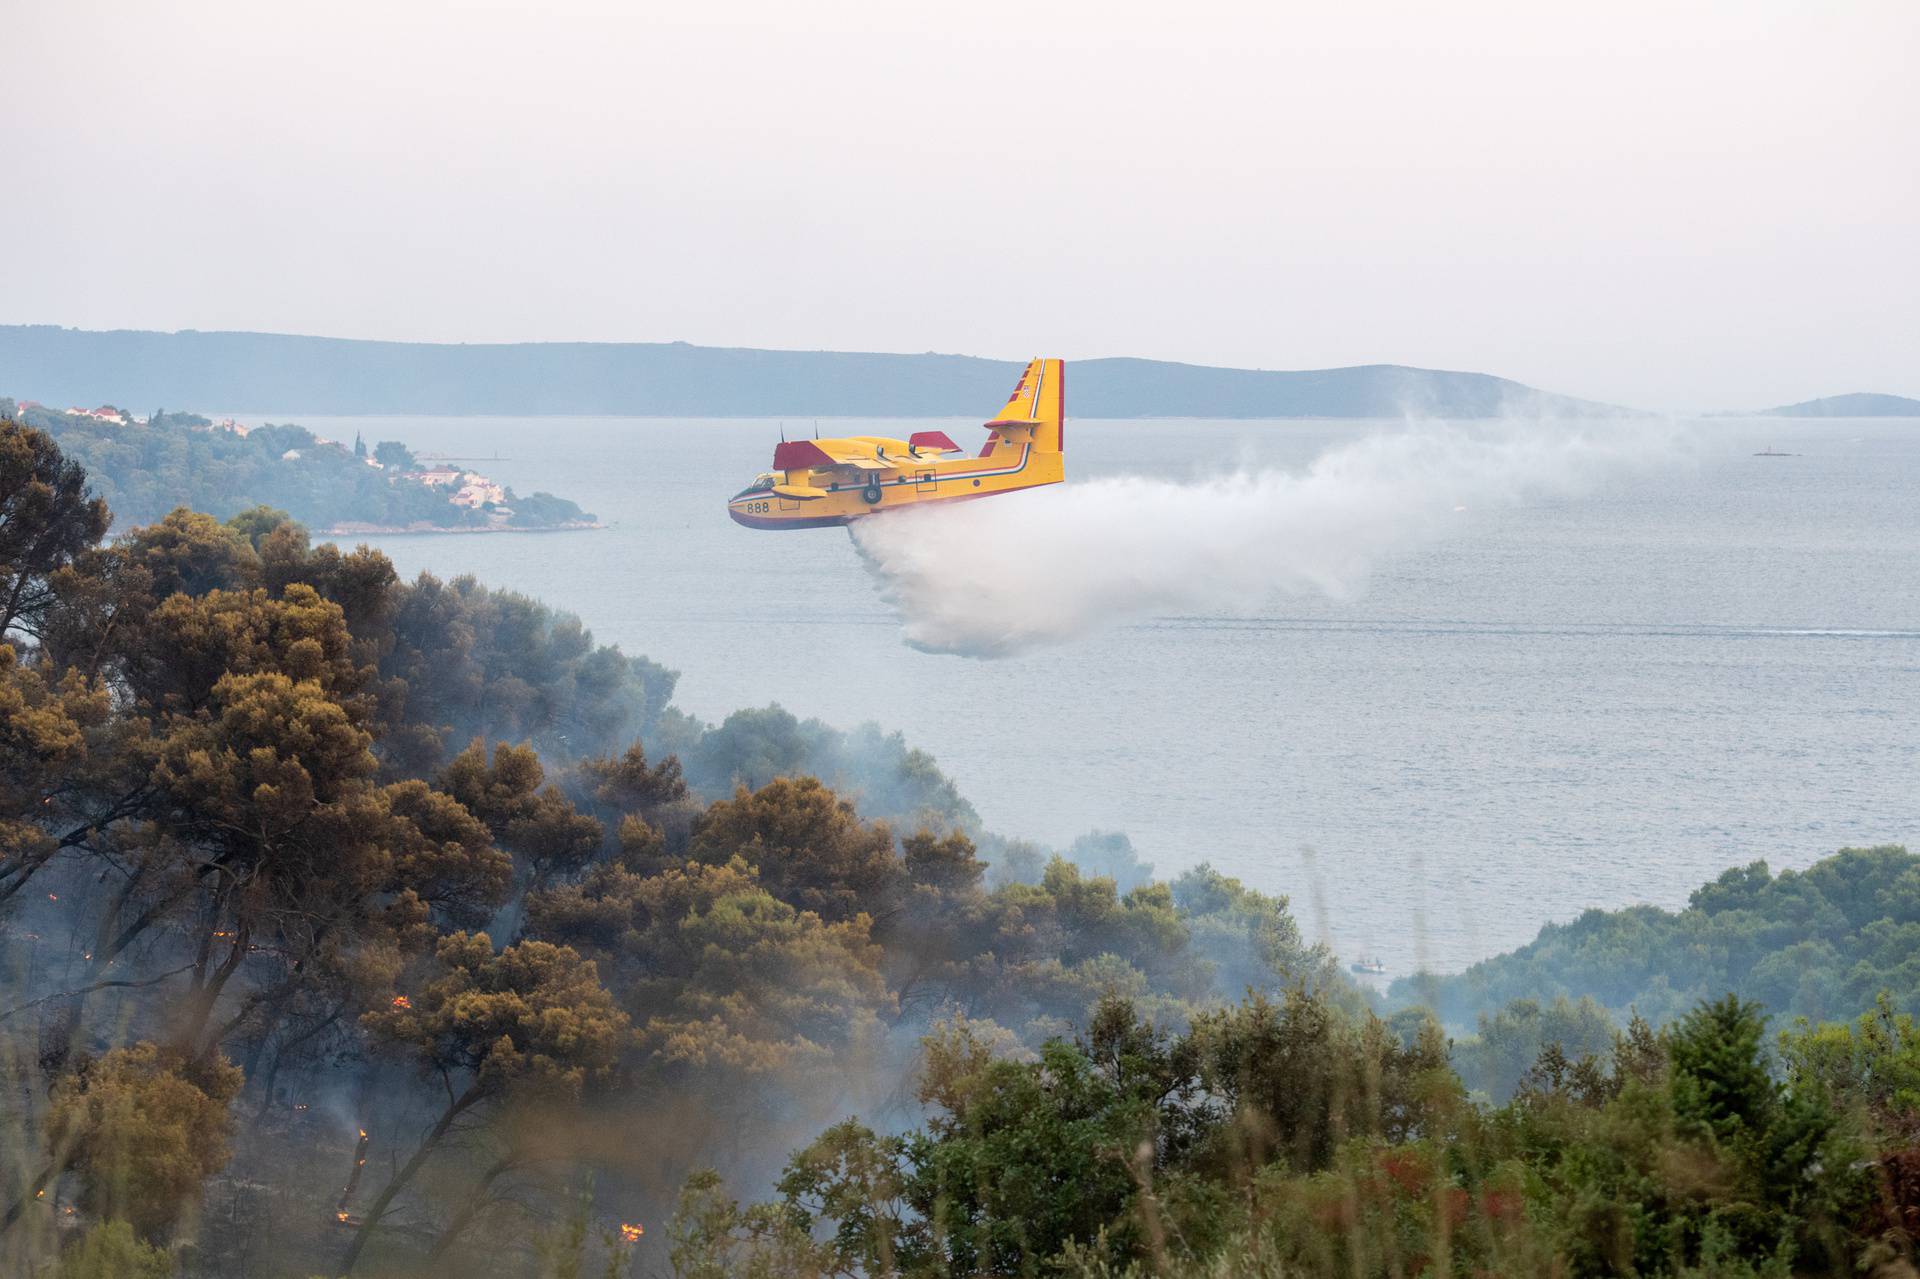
(998, 577)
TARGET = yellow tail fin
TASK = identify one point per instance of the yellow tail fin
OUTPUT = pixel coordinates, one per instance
(1038, 404)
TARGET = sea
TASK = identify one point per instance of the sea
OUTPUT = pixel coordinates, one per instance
(1578, 699)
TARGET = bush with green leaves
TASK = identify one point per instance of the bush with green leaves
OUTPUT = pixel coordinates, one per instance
(1302, 1140)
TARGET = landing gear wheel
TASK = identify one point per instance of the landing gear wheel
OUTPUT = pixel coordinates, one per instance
(871, 493)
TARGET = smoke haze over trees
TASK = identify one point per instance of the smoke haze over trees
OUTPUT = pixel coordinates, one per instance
(358, 925)
(265, 799)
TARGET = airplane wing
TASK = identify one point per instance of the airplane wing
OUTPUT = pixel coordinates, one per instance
(861, 454)
(847, 452)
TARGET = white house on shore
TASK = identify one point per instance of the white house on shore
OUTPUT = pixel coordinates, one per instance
(478, 490)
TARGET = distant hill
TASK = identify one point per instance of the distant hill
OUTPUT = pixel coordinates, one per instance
(292, 374)
(1858, 404)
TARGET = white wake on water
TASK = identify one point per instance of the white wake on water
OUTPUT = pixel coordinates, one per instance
(999, 577)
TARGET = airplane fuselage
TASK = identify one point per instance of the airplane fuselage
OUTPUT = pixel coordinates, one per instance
(820, 483)
(825, 497)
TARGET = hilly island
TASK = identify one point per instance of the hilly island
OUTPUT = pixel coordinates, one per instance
(1853, 404)
(145, 466)
(299, 374)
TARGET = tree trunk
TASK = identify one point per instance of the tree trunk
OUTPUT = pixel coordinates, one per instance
(28, 1195)
(460, 1104)
(202, 1000)
(477, 1199)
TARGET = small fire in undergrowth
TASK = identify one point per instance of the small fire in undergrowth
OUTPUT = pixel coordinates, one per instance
(401, 1001)
(353, 1178)
(630, 1231)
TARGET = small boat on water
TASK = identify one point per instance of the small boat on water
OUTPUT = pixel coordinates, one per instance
(1374, 966)
(1770, 451)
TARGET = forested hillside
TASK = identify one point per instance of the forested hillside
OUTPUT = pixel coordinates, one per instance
(1817, 943)
(353, 925)
(286, 837)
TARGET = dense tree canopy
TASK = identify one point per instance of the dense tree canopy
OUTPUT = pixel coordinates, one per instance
(1816, 943)
(394, 914)
(1302, 1139)
(47, 518)
(141, 1128)
(273, 794)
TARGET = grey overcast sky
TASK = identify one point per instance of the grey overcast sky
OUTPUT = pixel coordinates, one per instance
(1674, 205)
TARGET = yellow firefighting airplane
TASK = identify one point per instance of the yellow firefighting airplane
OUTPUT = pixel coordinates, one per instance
(817, 483)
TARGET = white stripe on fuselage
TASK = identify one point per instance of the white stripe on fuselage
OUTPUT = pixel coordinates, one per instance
(1025, 449)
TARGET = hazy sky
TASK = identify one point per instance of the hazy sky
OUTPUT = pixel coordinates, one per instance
(1666, 204)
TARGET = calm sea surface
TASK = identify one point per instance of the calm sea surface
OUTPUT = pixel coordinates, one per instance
(1577, 702)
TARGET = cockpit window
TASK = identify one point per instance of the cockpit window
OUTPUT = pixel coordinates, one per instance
(762, 483)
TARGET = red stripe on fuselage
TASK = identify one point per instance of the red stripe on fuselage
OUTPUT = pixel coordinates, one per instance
(807, 521)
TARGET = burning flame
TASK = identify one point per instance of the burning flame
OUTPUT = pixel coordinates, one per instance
(631, 1231)
(401, 1001)
(353, 1180)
